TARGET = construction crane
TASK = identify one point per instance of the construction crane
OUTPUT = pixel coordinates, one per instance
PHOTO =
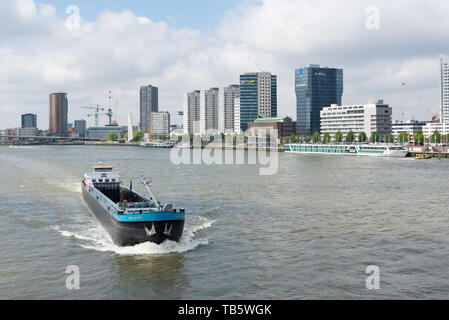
(434, 115)
(109, 114)
(96, 113)
(112, 123)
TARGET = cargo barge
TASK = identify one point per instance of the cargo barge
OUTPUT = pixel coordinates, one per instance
(129, 217)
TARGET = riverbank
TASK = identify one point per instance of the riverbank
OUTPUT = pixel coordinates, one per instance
(432, 151)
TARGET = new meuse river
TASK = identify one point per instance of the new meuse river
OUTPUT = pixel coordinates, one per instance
(308, 232)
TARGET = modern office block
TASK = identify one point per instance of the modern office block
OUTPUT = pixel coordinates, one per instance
(316, 87)
(149, 102)
(226, 99)
(258, 97)
(29, 120)
(160, 123)
(58, 113)
(375, 116)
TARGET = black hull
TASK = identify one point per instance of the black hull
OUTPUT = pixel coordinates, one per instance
(132, 233)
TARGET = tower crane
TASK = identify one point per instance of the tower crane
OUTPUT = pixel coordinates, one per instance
(96, 113)
(109, 114)
(433, 115)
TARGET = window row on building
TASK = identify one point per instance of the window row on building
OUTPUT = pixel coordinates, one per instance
(375, 116)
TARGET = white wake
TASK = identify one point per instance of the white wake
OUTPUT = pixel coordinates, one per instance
(94, 237)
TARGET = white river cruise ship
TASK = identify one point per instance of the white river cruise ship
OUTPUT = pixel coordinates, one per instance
(347, 149)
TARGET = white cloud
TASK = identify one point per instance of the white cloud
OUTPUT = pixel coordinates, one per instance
(26, 8)
(121, 51)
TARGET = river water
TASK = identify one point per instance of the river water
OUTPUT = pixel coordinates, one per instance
(307, 232)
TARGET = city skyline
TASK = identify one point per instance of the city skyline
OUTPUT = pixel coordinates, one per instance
(180, 58)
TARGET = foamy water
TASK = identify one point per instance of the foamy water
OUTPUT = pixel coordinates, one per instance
(92, 236)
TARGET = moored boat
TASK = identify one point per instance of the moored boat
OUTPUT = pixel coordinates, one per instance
(129, 217)
(158, 144)
(346, 149)
(423, 156)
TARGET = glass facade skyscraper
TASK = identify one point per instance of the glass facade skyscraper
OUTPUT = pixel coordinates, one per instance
(80, 128)
(258, 97)
(316, 87)
(29, 120)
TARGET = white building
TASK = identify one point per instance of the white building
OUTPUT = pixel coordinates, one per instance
(444, 85)
(26, 132)
(409, 126)
(226, 98)
(369, 118)
(176, 129)
(237, 128)
(149, 102)
(191, 110)
(430, 127)
(264, 94)
(209, 110)
(160, 123)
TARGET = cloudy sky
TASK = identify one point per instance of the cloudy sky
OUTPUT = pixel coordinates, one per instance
(180, 45)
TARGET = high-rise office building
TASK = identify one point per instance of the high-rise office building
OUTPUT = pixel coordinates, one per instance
(58, 113)
(209, 110)
(444, 65)
(258, 97)
(237, 113)
(29, 120)
(226, 98)
(160, 123)
(191, 112)
(316, 87)
(80, 128)
(149, 102)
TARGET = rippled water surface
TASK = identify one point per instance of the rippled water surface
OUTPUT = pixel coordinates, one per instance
(307, 232)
